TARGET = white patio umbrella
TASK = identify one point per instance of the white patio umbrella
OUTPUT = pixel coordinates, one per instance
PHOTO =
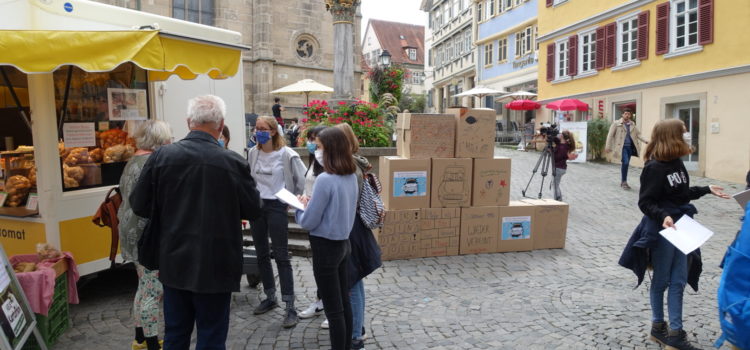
(518, 94)
(304, 86)
(481, 92)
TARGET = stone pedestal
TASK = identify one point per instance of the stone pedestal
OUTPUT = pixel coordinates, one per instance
(343, 12)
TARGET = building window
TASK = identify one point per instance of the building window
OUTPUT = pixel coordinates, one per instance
(490, 8)
(518, 2)
(524, 41)
(536, 35)
(587, 52)
(412, 54)
(448, 51)
(198, 11)
(502, 50)
(438, 18)
(561, 59)
(479, 12)
(447, 9)
(557, 2)
(467, 41)
(488, 55)
(627, 40)
(458, 43)
(506, 5)
(685, 30)
(458, 89)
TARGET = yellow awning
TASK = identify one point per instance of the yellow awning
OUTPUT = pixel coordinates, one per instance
(33, 51)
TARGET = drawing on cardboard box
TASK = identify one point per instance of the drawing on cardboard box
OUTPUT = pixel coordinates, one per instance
(492, 189)
(409, 183)
(516, 227)
(453, 185)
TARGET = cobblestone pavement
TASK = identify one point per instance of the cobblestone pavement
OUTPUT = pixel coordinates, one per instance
(573, 298)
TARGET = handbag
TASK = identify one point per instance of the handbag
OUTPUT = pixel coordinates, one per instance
(148, 243)
(371, 208)
(106, 215)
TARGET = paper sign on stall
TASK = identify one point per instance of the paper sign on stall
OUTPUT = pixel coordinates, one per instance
(688, 236)
(289, 198)
(79, 135)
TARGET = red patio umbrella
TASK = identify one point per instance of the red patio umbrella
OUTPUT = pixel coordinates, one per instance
(568, 104)
(522, 105)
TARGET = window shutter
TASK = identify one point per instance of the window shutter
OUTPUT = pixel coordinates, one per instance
(573, 55)
(705, 22)
(611, 45)
(549, 3)
(643, 19)
(600, 48)
(662, 28)
(551, 62)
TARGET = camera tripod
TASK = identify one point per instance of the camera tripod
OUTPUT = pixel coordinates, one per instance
(546, 161)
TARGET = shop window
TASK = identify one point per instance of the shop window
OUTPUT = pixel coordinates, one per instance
(96, 122)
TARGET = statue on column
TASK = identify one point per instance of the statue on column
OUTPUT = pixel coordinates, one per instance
(342, 10)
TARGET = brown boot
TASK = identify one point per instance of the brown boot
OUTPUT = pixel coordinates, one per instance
(677, 340)
(659, 332)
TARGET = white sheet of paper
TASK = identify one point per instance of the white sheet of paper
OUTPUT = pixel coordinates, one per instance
(742, 198)
(289, 198)
(688, 236)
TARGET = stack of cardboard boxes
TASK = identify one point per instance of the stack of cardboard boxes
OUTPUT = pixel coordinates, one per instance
(446, 194)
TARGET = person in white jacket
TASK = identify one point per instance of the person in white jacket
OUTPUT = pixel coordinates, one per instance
(274, 166)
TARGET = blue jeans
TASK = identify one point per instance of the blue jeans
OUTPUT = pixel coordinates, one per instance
(209, 312)
(358, 308)
(627, 152)
(670, 273)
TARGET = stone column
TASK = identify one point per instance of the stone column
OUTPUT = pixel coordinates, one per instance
(343, 12)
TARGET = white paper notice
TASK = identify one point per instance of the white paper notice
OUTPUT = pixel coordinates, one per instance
(289, 198)
(688, 236)
(742, 198)
(79, 135)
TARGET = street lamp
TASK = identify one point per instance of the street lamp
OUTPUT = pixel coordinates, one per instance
(385, 59)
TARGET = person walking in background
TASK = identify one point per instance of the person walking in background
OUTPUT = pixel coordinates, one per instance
(274, 166)
(196, 193)
(277, 108)
(623, 140)
(293, 132)
(365, 251)
(149, 136)
(665, 196)
(313, 170)
(565, 149)
(329, 216)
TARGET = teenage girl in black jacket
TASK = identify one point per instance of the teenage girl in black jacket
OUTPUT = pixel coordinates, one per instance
(666, 193)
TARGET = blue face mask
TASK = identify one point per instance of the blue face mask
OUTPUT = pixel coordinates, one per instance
(221, 143)
(262, 136)
(311, 147)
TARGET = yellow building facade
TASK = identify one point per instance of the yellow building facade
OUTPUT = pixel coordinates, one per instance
(686, 59)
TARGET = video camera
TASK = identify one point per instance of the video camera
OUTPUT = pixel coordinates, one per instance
(549, 130)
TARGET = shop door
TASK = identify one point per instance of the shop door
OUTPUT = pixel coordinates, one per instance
(689, 114)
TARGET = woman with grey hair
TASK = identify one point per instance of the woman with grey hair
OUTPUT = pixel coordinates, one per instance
(149, 136)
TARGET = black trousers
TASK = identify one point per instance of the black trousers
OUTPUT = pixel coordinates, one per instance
(274, 223)
(209, 312)
(330, 264)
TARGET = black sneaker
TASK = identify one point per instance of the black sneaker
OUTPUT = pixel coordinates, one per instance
(265, 306)
(290, 320)
(677, 340)
(659, 332)
(358, 344)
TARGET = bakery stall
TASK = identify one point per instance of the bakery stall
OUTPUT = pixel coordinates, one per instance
(76, 80)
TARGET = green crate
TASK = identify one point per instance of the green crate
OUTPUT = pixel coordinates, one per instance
(57, 320)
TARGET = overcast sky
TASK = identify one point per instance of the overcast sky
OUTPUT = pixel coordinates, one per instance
(405, 11)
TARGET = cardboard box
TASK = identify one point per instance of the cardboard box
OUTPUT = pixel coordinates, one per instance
(517, 222)
(491, 183)
(440, 231)
(425, 135)
(451, 182)
(475, 132)
(479, 230)
(399, 236)
(551, 223)
(406, 183)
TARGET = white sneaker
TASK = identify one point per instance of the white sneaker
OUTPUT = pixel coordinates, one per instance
(324, 325)
(315, 309)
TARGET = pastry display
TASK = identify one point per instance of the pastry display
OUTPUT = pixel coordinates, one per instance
(112, 137)
(78, 155)
(47, 251)
(118, 153)
(97, 155)
(18, 188)
(24, 267)
(32, 176)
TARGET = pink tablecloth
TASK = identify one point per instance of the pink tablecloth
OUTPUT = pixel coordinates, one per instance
(39, 285)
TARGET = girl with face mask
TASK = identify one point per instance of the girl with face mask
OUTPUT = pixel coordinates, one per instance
(274, 166)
